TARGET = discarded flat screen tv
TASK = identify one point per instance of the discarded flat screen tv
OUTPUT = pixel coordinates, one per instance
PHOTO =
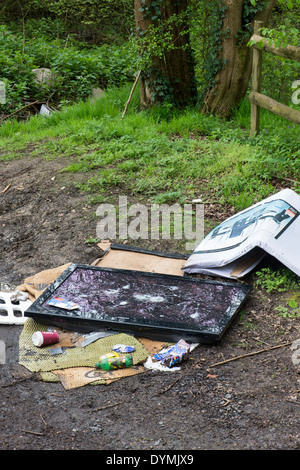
(158, 306)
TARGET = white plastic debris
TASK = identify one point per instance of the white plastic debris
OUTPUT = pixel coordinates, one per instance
(45, 110)
(157, 365)
(12, 307)
(149, 364)
(18, 296)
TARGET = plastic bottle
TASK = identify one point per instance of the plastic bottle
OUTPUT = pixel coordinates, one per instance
(109, 355)
(112, 363)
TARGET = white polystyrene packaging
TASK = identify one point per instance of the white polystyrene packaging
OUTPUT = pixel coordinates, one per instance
(37, 338)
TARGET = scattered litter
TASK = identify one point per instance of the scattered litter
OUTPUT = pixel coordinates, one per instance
(44, 338)
(168, 358)
(109, 355)
(91, 337)
(45, 110)
(75, 366)
(12, 308)
(150, 364)
(76, 284)
(54, 351)
(123, 348)
(173, 355)
(19, 296)
(61, 302)
(118, 362)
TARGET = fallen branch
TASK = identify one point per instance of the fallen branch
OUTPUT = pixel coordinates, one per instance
(290, 179)
(131, 93)
(18, 110)
(294, 402)
(251, 354)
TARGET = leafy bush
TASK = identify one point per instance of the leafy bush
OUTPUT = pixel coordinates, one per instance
(76, 69)
(96, 21)
(280, 73)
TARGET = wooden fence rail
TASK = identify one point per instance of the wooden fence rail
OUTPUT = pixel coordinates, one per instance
(259, 100)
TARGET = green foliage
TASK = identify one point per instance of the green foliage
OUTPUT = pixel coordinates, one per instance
(206, 37)
(288, 311)
(279, 73)
(76, 69)
(163, 30)
(280, 281)
(282, 35)
(89, 20)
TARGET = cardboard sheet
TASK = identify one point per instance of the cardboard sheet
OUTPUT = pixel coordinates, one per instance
(122, 257)
(80, 376)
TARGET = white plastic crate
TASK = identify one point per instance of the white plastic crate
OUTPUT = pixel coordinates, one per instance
(12, 312)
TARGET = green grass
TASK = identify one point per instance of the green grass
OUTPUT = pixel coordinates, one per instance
(163, 154)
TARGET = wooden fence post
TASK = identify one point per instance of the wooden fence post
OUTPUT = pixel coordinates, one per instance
(256, 83)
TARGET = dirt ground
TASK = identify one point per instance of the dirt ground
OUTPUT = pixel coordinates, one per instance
(249, 403)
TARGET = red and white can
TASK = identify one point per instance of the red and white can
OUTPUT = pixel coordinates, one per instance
(44, 338)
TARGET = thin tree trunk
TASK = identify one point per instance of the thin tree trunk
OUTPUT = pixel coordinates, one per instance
(170, 74)
(231, 82)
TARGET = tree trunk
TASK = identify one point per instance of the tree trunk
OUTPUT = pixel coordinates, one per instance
(169, 75)
(231, 82)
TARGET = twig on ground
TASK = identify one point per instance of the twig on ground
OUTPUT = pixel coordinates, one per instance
(18, 110)
(109, 406)
(250, 354)
(170, 386)
(5, 189)
(290, 179)
(33, 432)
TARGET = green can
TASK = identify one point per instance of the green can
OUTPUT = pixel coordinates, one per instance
(112, 363)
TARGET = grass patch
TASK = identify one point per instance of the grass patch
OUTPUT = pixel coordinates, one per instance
(163, 154)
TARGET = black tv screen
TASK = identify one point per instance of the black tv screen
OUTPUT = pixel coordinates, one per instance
(158, 306)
